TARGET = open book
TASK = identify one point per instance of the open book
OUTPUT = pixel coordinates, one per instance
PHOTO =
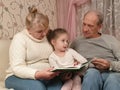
(79, 67)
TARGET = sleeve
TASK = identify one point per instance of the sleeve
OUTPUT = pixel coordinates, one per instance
(53, 62)
(17, 54)
(77, 56)
(115, 45)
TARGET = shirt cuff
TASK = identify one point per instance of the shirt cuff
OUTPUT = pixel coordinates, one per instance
(110, 68)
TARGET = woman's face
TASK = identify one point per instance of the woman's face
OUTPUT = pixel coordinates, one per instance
(38, 31)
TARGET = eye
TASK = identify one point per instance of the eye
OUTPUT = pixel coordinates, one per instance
(84, 24)
(67, 41)
(40, 31)
(63, 40)
(90, 26)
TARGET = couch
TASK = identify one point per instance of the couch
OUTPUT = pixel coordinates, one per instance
(4, 57)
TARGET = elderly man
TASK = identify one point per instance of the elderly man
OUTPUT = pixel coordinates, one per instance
(103, 51)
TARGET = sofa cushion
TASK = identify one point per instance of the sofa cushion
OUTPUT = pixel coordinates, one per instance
(4, 57)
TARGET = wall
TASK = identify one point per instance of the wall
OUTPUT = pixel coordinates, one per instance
(13, 13)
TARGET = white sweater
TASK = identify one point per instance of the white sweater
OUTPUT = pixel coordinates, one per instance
(67, 60)
(27, 55)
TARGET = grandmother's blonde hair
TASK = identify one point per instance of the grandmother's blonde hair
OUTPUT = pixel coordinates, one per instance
(35, 17)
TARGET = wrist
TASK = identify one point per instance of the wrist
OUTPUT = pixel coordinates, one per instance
(37, 75)
(110, 67)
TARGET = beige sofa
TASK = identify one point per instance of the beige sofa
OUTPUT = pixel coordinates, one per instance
(4, 57)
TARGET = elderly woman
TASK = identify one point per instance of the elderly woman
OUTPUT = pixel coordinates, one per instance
(29, 52)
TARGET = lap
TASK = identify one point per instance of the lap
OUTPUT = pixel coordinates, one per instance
(111, 80)
(92, 72)
(30, 84)
(110, 76)
(96, 80)
(92, 80)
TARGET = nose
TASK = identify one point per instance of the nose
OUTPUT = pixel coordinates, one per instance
(85, 28)
(44, 33)
(66, 43)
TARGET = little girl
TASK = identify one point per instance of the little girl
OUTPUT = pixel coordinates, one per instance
(63, 56)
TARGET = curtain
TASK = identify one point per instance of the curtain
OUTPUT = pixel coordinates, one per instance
(66, 15)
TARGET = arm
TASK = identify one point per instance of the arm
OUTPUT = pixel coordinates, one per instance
(52, 61)
(115, 65)
(77, 56)
(18, 63)
(17, 56)
(103, 64)
(46, 74)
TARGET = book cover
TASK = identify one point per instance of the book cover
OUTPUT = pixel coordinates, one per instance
(79, 67)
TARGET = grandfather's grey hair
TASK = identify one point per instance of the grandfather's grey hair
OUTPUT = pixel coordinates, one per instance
(99, 14)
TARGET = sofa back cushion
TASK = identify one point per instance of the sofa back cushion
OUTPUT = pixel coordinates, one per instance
(4, 57)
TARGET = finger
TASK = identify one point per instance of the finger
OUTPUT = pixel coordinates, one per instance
(102, 61)
(49, 69)
(99, 67)
(57, 73)
(96, 60)
(99, 63)
(53, 75)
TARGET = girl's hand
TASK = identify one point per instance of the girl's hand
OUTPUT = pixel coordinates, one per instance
(46, 74)
(76, 62)
(66, 76)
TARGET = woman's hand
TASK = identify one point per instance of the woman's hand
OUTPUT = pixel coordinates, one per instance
(101, 64)
(46, 74)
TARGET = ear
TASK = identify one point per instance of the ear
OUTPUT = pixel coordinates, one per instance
(53, 42)
(100, 26)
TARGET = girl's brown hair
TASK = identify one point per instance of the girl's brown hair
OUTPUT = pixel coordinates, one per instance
(53, 34)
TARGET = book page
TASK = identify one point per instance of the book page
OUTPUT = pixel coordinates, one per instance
(76, 68)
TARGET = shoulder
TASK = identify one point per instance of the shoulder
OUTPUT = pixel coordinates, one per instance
(52, 55)
(108, 38)
(76, 42)
(19, 37)
(70, 50)
(78, 39)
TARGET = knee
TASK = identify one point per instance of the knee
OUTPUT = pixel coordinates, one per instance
(37, 85)
(77, 78)
(92, 73)
(112, 78)
(112, 82)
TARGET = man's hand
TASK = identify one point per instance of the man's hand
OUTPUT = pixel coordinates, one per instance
(101, 64)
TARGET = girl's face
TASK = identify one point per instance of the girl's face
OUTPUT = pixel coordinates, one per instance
(61, 42)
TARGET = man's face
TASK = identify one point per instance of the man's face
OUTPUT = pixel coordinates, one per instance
(90, 26)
